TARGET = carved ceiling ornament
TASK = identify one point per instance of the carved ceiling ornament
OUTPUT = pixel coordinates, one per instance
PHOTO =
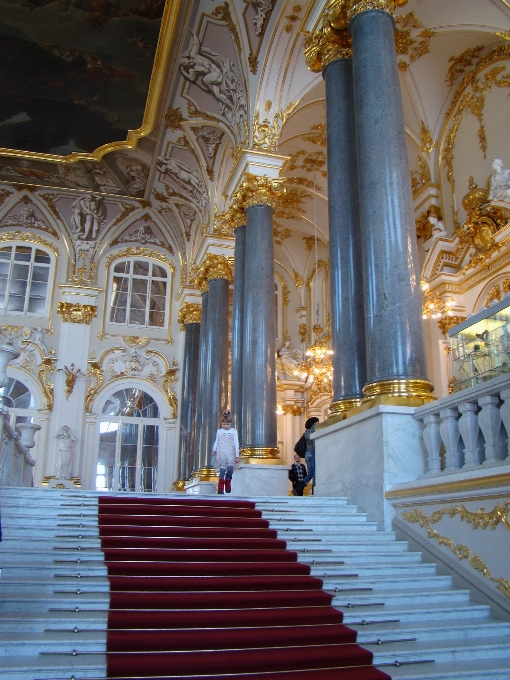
(447, 322)
(415, 46)
(174, 118)
(308, 161)
(26, 219)
(190, 312)
(421, 177)
(292, 18)
(427, 143)
(470, 96)
(135, 341)
(186, 177)
(317, 135)
(265, 135)
(260, 12)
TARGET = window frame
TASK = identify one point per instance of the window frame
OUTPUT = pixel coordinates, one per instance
(149, 279)
(51, 273)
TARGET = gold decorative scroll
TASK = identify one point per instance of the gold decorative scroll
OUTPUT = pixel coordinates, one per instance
(46, 368)
(136, 341)
(480, 519)
(190, 312)
(330, 41)
(73, 312)
(415, 46)
(259, 190)
(448, 322)
(266, 134)
(139, 251)
(427, 143)
(293, 409)
(27, 237)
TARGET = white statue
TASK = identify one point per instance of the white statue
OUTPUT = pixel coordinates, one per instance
(26, 219)
(185, 177)
(215, 74)
(290, 358)
(64, 464)
(38, 338)
(500, 182)
(88, 217)
(438, 228)
(137, 175)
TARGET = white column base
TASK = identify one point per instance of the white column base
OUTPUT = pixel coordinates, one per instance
(363, 456)
(261, 480)
(198, 488)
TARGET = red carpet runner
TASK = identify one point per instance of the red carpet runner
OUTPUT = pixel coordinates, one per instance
(203, 588)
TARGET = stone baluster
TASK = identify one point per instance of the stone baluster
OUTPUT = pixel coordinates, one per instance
(330, 52)
(449, 428)
(432, 439)
(504, 412)
(490, 423)
(469, 428)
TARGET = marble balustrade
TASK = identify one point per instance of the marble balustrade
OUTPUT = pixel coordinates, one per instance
(469, 429)
(16, 463)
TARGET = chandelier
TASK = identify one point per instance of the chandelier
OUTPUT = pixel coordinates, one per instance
(435, 305)
(317, 366)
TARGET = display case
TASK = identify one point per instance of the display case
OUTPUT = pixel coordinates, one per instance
(480, 347)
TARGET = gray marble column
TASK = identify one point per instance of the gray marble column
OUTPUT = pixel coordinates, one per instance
(260, 439)
(236, 387)
(396, 363)
(215, 386)
(188, 404)
(346, 281)
(201, 384)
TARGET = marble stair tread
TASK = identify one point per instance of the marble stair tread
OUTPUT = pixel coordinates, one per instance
(485, 669)
(416, 612)
(390, 597)
(87, 641)
(447, 629)
(348, 546)
(39, 667)
(443, 651)
(38, 621)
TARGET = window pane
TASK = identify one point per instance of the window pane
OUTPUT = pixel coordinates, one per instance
(140, 267)
(40, 273)
(36, 305)
(156, 319)
(139, 286)
(18, 286)
(3, 285)
(159, 271)
(5, 253)
(157, 303)
(16, 303)
(20, 271)
(2, 300)
(122, 267)
(137, 317)
(4, 269)
(41, 256)
(23, 253)
(118, 315)
(158, 287)
(38, 289)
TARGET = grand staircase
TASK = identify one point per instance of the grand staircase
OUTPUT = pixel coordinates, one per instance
(55, 593)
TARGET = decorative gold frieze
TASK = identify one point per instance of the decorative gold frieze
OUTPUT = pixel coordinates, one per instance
(73, 312)
(293, 409)
(27, 237)
(495, 294)
(259, 190)
(298, 279)
(461, 63)
(448, 322)
(135, 341)
(427, 143)
(331, 41)
(478, 519)
(317, 135)
(280, 233)
(309, 162)
(190, 312)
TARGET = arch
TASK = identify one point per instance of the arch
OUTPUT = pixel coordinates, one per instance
(128, 383)
(26, 378)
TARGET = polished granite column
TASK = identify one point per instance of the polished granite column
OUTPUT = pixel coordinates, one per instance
(396, 362)
(236, 387)
(202, 284)
(260, 438)
(189, 317)
(215, 386)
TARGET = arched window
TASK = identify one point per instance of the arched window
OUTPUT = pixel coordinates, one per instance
(128, 442)
(24, 280)
(19, 400)
(139, 294)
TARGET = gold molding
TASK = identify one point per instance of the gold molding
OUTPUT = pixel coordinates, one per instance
(73, 312)
(166, 40)
(355, 7)
(448, 322)
(46, 368)
(462, 551)
(261, 455)
(427, 143)
(140, 251)
(452, 487)
(27, 237)
(190, 312)
(480, 519)
(136, 341)
(407, 45)
(293, 409)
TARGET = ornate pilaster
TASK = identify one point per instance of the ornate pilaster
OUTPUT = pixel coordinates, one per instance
(189, 318)
(258, 195)
(216, 270)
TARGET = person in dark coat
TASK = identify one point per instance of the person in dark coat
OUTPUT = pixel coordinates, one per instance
(297, 473)
(310, 451)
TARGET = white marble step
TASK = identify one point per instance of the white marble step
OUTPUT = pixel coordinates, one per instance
(422, 596)
(385, 582)
(443, 651)
(485, 669)
(454, 629)
(53, 667)
(38, 622)
(417, 612)
(12, 644)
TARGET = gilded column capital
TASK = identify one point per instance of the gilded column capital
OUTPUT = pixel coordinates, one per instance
(213, 267)
(73, 312)
(190, 312)
(331, 40)
(355, 7)
(198, 279)
(226, 222)
(259, 190)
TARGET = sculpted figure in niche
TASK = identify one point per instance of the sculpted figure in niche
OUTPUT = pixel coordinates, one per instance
(438, 229)
(185, 177)
(64, 464)
(290, 358)
(500, 182)
(88, 217)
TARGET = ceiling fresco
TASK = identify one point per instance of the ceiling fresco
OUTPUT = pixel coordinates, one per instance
(75, 74)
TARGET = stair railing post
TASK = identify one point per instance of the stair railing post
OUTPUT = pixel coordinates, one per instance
(490, 423)
(432, 439)
(449, 428)
(469, 428)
